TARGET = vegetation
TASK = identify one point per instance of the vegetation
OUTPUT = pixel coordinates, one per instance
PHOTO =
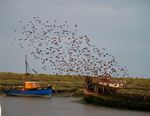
(139, 86)
(117, 102)
(67, 83)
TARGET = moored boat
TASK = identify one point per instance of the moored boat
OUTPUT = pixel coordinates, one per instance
(39, 92)
(30, 88)
(100, 92)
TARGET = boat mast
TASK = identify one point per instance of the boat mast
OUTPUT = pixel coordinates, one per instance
(26, 64)
(24, 78)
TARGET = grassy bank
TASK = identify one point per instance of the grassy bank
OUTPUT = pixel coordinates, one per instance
(74, 84)
(117, 102)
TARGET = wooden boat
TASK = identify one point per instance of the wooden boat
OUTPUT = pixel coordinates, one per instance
(30, 88)
(106, 95)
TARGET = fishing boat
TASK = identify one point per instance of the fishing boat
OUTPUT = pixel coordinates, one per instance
(30, 88)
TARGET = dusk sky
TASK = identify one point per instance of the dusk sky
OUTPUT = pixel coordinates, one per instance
(120, 26)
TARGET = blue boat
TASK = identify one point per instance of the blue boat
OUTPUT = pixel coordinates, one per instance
(39, 92)
(30, 88)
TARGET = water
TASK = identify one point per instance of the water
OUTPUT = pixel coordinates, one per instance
(57, 106)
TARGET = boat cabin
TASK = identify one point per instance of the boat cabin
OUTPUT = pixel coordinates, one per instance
(32, 84)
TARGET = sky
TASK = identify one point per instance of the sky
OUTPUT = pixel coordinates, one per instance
(120, 26)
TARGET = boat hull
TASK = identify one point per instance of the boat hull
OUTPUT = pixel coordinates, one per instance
(42, 92)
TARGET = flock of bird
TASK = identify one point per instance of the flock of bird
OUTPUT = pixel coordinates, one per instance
(61, 50)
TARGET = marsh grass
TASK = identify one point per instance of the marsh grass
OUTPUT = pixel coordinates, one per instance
(75, 84)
